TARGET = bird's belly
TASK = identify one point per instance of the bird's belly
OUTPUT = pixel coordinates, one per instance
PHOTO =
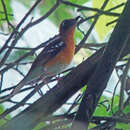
(56, 69)
(46, 72)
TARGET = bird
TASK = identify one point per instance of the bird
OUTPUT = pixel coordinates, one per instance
(55, 56)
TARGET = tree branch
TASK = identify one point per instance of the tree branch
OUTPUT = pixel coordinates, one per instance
(98, 82)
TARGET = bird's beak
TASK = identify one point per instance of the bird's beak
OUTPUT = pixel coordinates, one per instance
(75, 20)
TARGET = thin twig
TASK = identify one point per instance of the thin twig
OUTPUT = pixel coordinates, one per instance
(36, 88)
(89, 45)
(75, 103)
(14, 102)
(113, 21)
(16, 69)
(29, 25)
(114, 118)
(10, 65)
(20, 48)
(1, 81)
(15, 31)
(94, 22)
(123, 85)
(80, 7)
(6, 14)
(86, 35)
(1, 12)
(112, 101)
(45, 16)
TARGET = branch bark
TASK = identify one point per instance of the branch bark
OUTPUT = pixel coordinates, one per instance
(98, 82)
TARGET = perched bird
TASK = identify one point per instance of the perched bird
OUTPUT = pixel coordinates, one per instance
(55, 57)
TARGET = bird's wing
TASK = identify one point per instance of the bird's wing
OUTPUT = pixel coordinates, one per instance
(54, 46)
(51, 50)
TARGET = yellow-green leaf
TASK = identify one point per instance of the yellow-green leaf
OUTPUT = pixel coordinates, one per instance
(8, 9)
(101, 28)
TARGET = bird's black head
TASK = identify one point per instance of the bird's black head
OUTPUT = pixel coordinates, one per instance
(68, 24)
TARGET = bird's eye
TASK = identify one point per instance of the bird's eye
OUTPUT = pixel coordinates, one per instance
(65, 25)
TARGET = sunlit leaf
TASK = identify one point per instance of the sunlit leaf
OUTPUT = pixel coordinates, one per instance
(101, 109)
(127, 109)
(3, 121)
(61, 13)
(115, 104)
(79, 1)
(123, 126)
(101, 27)
(91, 125)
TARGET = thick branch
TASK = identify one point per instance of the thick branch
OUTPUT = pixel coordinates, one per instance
(98, 82)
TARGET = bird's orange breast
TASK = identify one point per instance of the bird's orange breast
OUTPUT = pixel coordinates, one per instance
(65, 56)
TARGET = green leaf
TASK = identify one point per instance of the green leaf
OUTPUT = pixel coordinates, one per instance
(81, 2)
(9, 11)
(61, 13)
(127, 109)
(123, 126)
(78, 35)
(39, 126)
(115, 104)
(91, 125)
(101, 109)
(101, 27)
(83, 88)
(2, 122)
